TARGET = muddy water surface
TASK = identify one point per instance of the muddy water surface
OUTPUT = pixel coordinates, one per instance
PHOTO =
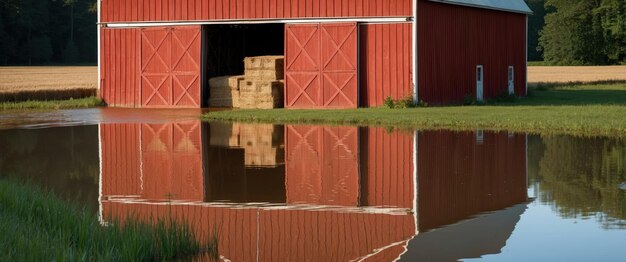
(328, 193)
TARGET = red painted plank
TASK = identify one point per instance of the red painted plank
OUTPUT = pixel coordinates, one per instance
(379, 64)
(198, 9)
(219, 10)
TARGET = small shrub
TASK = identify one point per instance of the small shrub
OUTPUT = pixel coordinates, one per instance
(503, 98)
(470, 100)
(389, 103)
(541, 87)
(406, 102)
(403, 103)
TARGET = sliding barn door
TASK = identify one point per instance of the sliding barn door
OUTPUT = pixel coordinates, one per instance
(321, 65)
(170, 67)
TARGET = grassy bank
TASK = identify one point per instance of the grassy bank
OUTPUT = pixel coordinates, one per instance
(37, 226)
(585, 109)
(52, 104)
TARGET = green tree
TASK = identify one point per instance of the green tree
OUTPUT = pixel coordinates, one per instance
(71, 52)
(22, 21)
(40, 49)
(568, 35)
(612, 17)
(535, 24)
(584, 32)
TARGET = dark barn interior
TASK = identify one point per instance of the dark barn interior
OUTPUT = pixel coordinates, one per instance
(224, 48)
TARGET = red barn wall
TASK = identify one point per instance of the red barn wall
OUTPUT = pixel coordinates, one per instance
(453, 40)
(188, 10)
(386, 62)
(120, 76)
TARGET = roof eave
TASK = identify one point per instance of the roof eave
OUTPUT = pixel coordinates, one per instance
(530, 12)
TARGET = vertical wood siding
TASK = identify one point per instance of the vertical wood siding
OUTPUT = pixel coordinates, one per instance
(321, 65)
(170, 66)
(151, 67)
(453, 40)
(475, 176)
(386, 62)
(188, 10)
(120, 78)
(387, 168)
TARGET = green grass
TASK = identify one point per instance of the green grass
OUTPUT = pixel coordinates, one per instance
(539, 63)
(53, 104)
(35, 225)
(577, 109)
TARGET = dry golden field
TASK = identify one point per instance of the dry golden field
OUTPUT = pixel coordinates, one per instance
(63, 82)
(45, 78)
(564, 74)
(46, 83)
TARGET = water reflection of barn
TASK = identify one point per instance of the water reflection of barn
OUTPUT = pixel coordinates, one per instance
(325, 193)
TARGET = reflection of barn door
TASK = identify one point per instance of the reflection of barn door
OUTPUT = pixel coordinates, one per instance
(322, 165)
(303, 150)
(341, 166)
(172, 161)
(170, 67)
(321, 65)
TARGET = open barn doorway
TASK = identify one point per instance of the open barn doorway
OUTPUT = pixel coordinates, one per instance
(226, 46)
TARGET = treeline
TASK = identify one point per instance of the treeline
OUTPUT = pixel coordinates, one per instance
(42, 32)
(578, 32)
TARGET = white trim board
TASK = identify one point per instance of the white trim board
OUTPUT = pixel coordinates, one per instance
(262, 21)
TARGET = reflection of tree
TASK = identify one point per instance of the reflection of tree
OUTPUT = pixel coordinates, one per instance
(64, 159)
(581, 177)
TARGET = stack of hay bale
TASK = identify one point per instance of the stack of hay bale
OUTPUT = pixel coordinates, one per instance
(261, 149)
(224, 91)
(224, 134)
(261, 142)
(263, 84)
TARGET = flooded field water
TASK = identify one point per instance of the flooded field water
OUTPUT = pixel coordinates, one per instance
(333, 193)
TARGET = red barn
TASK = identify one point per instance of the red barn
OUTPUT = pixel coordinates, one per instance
(338, 53)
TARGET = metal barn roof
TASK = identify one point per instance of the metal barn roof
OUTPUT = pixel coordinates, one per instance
(515, 6)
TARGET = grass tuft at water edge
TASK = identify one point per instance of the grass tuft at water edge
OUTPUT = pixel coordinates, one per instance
(36, 225)
(53, 104)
